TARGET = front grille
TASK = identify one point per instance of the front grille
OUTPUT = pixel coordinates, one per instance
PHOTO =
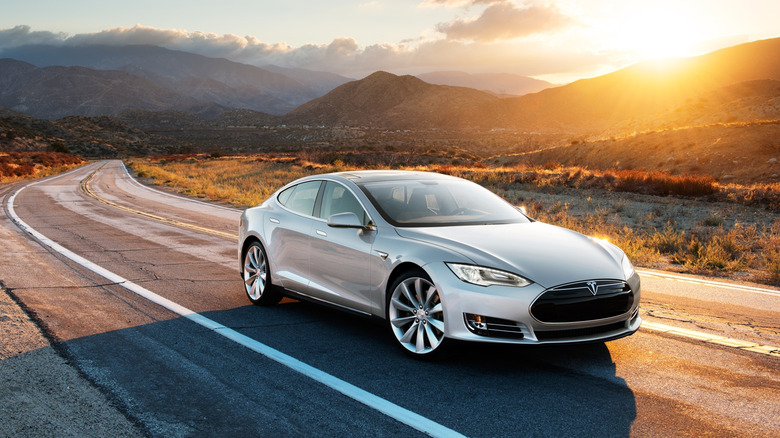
(578, 333)
(583, 301)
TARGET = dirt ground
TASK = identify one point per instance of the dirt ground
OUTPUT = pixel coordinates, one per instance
(41, 394)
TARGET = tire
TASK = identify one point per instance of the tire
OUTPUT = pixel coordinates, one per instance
(257, 277)
(415, 316)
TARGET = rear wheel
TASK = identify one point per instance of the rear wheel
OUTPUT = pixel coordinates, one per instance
(415, 315)
(257, 278)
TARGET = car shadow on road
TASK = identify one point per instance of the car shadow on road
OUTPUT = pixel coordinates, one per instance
(477, 389)
(178, 378)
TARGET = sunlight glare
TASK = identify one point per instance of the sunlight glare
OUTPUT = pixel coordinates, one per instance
(660, 35)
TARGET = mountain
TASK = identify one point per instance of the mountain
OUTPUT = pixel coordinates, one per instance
(639, 91)
(702, 89)
(732, 84)
(388, 101)
(498, 83)
(55, 92)
(320, 82)
(205, 79)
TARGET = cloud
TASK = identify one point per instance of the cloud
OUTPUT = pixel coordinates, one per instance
(22, 35)
(342, 55)
(208, 44)
(458, 3)
(504, 20)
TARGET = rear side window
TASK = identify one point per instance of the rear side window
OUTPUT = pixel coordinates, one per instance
(300, 198)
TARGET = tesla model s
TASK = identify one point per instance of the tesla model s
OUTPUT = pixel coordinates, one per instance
(438, 258)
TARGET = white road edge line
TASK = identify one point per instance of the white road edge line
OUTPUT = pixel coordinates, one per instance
(386, 407)
(712, 283)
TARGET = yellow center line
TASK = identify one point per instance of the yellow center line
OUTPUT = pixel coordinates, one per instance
(85, 187)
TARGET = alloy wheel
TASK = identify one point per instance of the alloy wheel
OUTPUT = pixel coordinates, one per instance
(415, 315)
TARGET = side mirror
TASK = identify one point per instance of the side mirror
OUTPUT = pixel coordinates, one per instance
(345, 220)
(522, 209)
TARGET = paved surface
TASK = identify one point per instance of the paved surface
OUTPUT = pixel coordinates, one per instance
(126, 365)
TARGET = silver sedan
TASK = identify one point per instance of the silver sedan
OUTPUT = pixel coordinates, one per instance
(438, 258)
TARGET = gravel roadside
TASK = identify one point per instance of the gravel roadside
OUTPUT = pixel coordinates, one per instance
(41, 394)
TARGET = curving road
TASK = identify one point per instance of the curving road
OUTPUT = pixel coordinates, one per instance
(150, 309)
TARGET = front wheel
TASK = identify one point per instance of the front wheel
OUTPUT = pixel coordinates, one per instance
(257, 278)
(415, 315)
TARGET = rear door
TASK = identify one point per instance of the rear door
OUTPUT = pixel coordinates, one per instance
(290, 233)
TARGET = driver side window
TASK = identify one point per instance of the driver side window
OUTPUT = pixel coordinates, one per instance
(338, 199)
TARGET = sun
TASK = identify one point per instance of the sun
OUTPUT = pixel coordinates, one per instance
(655, 35)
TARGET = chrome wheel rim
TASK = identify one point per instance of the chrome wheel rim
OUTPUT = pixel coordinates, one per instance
(416, 316)
(255, 272)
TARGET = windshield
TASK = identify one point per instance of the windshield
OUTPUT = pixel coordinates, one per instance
(421, 203)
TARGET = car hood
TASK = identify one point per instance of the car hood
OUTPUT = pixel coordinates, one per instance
(545, 254)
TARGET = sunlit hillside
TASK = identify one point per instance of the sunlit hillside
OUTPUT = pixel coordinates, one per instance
(641, 91)
(743, 152)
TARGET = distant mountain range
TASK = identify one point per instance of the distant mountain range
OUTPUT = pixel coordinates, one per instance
(640, 94)
(139, 81)
(182, 79)
(501, 84)
(56, 81)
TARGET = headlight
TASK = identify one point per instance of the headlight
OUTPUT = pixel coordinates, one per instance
(628, 268)
(482, 276)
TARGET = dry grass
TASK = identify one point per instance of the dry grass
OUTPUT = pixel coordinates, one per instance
(15, 166)
(243, 182)
(665, 221)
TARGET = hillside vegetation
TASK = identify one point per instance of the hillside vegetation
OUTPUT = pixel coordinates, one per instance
(15, 166)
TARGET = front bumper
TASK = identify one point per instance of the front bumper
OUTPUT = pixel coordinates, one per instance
(501, 314)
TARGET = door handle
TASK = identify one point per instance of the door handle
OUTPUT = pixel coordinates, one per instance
(322, 233)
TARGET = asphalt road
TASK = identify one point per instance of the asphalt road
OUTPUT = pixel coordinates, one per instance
(211, 364)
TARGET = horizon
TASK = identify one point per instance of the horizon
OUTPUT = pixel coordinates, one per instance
(559, 42)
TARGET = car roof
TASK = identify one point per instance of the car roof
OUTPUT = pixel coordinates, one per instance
(368, 176)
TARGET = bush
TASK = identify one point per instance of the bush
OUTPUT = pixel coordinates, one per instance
(669, 241)
(661, 183)
(25, 164)
(60, 147)
(773, 266)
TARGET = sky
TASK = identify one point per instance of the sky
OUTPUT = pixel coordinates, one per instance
(555, 40)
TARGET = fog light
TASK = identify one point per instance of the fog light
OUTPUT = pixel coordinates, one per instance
(476, 324)
(494, 327)
(476, 321)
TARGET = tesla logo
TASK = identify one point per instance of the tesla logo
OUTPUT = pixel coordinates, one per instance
(593, 287)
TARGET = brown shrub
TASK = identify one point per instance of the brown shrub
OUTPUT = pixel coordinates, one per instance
(25, 164)
(662, 183)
